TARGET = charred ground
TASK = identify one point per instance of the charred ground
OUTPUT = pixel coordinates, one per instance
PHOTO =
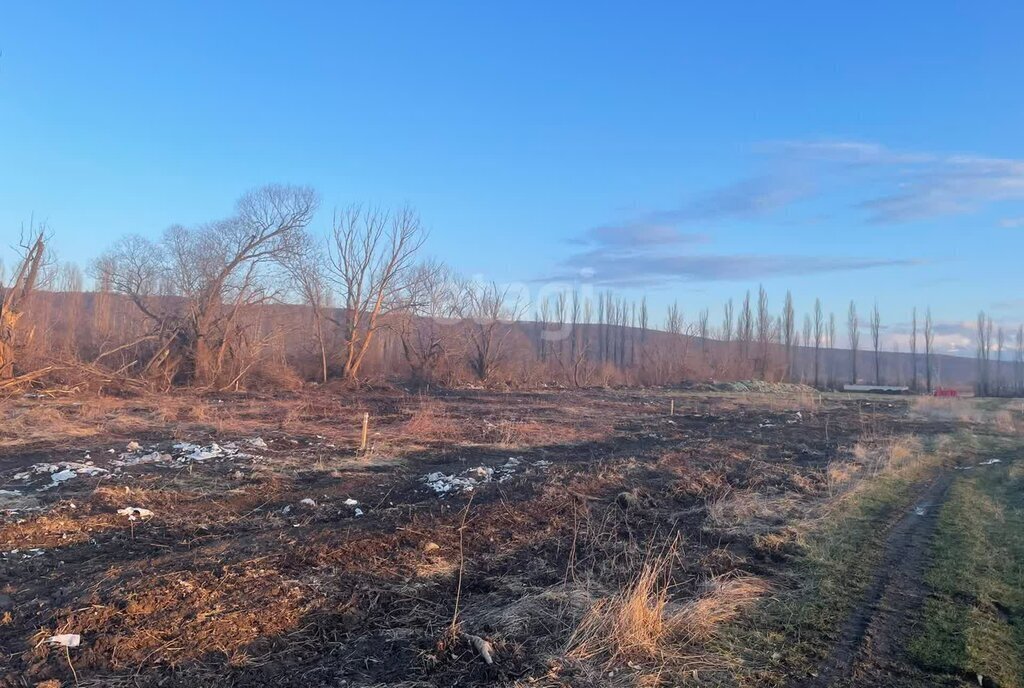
(292, 559)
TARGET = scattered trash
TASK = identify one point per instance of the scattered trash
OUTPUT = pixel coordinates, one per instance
(920, 511)
(133, 446)
(65, 639)
(483, 647)
(308, 502)
(351, 502)
(61, 476)
(359, 512)
(132, 460)
(135, 513)
(443, 484)
(257, 442)
(989, 462)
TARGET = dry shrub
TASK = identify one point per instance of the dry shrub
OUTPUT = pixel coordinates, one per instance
(273, 375)
(887, 454)
(641, 623)
(429, 421)
(505, 432)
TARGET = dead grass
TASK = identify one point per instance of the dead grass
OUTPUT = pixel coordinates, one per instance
(641, 623)
(886, 454)
(429, 421)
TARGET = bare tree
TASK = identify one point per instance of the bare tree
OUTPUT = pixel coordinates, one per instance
(425, 323)
(984, 338)
(489, 311)
(831, 345)
(765, 331)
(216, 272)
(745, 328)
(1000, 343)
(808, 330)
(819, 336)
(876, 330)
(788, 326)
(371, 255)
(913, 349)
(1018, 362)
(853, 330)
(305, 264)
(15, 296)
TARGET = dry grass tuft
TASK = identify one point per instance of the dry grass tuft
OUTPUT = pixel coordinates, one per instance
(721, 601)
(641, 624)
(429, 421)
(888, 454)
(630, 625)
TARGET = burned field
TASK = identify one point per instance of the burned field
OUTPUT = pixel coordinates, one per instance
(548, 538)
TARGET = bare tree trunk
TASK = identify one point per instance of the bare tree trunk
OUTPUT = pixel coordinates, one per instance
(13, 298)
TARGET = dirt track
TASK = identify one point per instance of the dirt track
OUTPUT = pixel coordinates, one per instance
(871, 647)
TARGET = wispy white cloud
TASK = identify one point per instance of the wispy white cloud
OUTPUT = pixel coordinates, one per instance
(894, 186)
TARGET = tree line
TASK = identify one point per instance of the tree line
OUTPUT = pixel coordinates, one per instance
(262, 297)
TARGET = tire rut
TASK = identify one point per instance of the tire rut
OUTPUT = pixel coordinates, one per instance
(870, 650)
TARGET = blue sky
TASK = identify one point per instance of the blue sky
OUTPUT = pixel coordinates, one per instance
(866, 151)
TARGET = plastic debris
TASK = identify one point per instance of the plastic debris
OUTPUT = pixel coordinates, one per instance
(990, 462)
(135, 513)
(308, 502)
(65, 639)
(133, 446)
(483, 647)
(61, 476)
(257, 442)
(359, 512)
(132, 460)
(351, 502)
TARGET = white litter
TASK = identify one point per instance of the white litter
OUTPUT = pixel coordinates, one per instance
(65, 639)
(482, 646)
(135, 513)
(308, 502)
(359, 512)
(989, 462)
(443, 484)
(61, 476)
(133, 460)
(257, 442)
(351, 502)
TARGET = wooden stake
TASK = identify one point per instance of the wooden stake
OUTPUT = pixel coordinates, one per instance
(366, 428)
(672, 407)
